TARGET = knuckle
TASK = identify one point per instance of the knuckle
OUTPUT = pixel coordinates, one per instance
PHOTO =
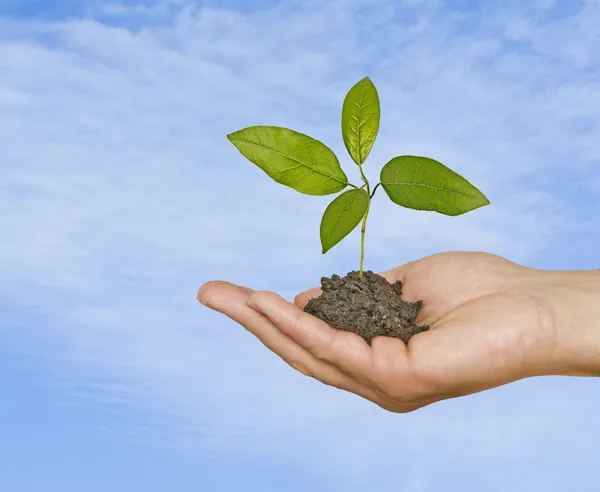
(389, 406)
(396, 399)
(334, 383)
(260, 296)
(300, 367)
(395, 406)
(322, 352)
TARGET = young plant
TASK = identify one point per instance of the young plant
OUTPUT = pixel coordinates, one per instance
(310, 167)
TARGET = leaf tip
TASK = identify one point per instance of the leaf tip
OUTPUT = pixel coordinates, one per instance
(236, 134)
(484, 201)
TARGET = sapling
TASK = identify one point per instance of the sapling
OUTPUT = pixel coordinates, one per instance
(310, 167)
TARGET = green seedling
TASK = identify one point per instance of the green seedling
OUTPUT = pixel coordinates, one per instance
(310, 167)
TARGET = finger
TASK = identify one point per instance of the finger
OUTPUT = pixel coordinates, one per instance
(343, 349)
(231, 300)
(390, 357)
(391, 275)
(211, 290)
(301, 300)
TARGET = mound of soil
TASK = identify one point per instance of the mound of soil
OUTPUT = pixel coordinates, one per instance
(369, 306)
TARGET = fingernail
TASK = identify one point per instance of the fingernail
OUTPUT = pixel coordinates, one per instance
(200, 300)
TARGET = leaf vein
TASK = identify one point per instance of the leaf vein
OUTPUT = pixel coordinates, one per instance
(278, 152)
(343, 214)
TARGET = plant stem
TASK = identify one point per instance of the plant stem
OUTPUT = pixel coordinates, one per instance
(375, 189)
(365, 180)
(362, 240)
(364, 223)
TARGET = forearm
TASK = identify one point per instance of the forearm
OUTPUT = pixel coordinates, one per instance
(575, 299)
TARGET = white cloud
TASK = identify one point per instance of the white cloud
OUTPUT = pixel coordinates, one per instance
(122, 195)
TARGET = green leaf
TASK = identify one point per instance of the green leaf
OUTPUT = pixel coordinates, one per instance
(425, 184)
(360, 119)
(291, 158)
(341, 216)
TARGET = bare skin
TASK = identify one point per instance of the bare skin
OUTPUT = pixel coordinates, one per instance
(492, 322)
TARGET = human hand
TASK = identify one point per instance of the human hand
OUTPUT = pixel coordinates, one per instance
(492, 322)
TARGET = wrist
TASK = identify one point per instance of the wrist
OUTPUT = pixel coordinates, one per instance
(575, 303)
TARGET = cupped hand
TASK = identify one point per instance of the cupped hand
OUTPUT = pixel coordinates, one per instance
(492, 322)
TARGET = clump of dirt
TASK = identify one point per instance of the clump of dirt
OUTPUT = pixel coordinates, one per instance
(369, 306)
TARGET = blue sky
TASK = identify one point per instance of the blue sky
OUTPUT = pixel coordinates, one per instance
(121, 196)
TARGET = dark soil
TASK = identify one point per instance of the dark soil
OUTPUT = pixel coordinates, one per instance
(369, 306)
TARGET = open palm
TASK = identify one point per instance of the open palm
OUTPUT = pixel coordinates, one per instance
(490, 324)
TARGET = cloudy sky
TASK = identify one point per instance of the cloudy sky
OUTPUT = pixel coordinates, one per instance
(120, 196)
